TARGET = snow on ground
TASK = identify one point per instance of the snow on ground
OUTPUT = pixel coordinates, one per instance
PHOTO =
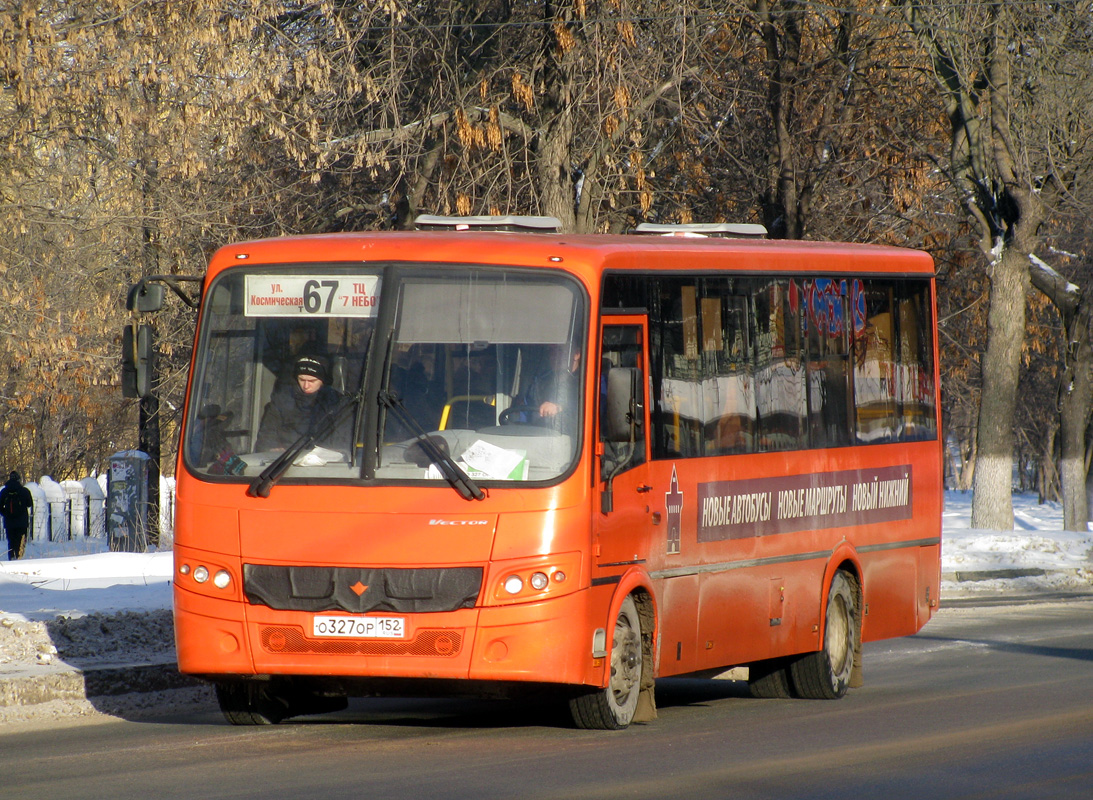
(1036, 557)
(64, 584)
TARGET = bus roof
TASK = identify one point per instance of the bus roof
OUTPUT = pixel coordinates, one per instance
(582, 254)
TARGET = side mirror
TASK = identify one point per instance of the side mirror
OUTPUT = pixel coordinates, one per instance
(145, 297)
(622, 405)
(137, 361)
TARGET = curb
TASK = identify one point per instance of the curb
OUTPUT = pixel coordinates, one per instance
(70, 683)
(972, 576)
(966, 594)
(1040, 598)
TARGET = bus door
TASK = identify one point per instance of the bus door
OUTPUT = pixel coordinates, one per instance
(625, 518)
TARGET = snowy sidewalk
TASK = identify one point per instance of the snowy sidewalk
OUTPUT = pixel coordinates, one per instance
(1037, 560)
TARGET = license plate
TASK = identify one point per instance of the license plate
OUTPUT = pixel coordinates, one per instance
(359, 627)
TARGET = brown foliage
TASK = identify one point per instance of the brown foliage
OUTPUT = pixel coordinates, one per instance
(136, 138)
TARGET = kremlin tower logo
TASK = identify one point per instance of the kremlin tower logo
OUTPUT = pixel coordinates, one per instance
(673, 503)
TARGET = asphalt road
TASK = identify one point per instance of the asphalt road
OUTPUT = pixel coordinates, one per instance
(984, 703)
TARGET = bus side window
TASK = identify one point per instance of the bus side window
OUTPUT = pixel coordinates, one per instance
(623, 347)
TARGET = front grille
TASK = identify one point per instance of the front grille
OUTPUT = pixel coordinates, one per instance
(359, 590)
(290, 639)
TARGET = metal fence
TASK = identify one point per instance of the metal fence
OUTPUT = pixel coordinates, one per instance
(72, 510)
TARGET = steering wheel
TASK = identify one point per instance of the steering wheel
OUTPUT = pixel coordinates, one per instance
(510, 415)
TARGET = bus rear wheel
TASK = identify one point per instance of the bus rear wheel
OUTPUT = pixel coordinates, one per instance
(825, 675)
(770, 679)
(613, 707)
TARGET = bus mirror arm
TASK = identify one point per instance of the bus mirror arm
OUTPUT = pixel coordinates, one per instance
(607, 497)
(455, 475)
(261, 485)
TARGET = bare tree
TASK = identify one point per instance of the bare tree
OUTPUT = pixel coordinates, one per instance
(986, 58)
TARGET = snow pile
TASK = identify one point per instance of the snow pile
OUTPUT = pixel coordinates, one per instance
(124, 638)
(1037, 557)
(83, 608)
(42, 587)
(96, 639)
(23, 642)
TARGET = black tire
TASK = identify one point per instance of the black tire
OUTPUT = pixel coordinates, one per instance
(826, 675)
(770, 679)
(612, 708)
(250, 703)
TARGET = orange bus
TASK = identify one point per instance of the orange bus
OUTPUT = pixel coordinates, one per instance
(543, 462)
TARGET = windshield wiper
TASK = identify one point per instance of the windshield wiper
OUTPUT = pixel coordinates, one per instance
(270, 475)
(453, 473)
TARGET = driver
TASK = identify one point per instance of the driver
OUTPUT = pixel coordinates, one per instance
(297, 408)
(554, 393)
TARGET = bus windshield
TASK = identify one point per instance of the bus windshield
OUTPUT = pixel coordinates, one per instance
(490, 364)
(483, 362)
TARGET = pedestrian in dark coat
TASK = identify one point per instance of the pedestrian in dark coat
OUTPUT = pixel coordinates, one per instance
(16, 504)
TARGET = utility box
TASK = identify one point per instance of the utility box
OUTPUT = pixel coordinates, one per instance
(127, 501)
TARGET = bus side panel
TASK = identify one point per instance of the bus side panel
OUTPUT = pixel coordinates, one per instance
(755, 589)
(929, 580)
(678, 601)
(735, 624)
(891, 582)
(902, 586)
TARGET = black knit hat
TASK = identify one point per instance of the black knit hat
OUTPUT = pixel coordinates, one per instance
(315, 366)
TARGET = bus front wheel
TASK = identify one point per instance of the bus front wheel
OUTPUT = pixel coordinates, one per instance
(613, 707)
(250, 703)
(826, 675)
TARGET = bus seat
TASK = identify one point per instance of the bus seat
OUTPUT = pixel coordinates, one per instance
(476, 410)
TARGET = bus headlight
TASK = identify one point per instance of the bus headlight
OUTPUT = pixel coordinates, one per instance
(208, 578)
(537, 578)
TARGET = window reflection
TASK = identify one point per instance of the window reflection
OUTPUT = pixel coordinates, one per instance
(744, 365)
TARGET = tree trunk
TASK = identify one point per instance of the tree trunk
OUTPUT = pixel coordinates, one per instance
(553, 149)
(1049, 475)
(553, 163)
(1075, 405)
(783, 56)
(992, 504)
(967, 464)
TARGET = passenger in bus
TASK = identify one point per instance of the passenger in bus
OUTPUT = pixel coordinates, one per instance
(554, 393)
(299, 407)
